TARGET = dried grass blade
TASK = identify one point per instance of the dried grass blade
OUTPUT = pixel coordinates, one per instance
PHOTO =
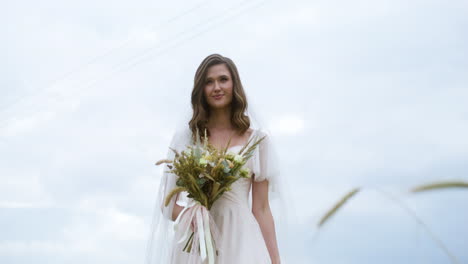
(159, 162)
(251, 148)
(172, 193)
(440, 185)
(337, 206)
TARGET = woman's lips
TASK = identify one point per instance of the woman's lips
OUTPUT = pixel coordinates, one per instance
(217, 97)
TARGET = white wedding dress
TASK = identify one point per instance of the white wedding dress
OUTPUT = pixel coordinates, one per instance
(241, 239)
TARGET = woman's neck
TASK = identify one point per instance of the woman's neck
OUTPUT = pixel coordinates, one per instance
(220, 119)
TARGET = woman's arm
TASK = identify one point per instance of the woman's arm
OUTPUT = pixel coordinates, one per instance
(262, 212)
(177, 210)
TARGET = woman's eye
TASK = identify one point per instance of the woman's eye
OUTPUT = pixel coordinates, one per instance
(208, 81)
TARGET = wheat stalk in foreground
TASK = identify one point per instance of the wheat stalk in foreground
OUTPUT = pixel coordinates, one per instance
(440, 185)
(338, 205)
(426, 228)
(425, 187)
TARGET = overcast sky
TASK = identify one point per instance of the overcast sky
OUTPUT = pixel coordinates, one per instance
(357, 93)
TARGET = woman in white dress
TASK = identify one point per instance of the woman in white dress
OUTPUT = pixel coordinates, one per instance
(242, 215)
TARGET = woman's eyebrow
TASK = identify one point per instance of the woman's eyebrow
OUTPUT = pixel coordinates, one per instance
(208, 78)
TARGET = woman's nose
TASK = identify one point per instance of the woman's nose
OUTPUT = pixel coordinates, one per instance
(217, 86)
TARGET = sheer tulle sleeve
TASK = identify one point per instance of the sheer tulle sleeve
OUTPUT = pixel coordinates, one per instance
(265, 163)
(160, 245)
(168, 182)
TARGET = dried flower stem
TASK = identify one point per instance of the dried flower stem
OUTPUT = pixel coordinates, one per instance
(337, 206)
(440, 185)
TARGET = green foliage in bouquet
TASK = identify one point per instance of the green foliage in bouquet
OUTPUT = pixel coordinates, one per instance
(205, 173)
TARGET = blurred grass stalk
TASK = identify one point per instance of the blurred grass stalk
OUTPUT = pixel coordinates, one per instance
(439, 185)
(338, 205)
(421, 188)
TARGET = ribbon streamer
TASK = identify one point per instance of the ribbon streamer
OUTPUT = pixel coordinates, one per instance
(205, 233)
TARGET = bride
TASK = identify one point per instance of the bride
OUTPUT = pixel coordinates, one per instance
(242, 215)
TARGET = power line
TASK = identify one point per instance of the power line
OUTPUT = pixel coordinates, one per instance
(142, 58)
(101, 56)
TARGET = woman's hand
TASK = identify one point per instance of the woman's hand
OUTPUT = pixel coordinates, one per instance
(193, 225)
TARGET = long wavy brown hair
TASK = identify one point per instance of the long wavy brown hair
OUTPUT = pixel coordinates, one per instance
(201, 109)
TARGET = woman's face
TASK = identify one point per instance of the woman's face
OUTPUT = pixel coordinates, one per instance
(218, 86)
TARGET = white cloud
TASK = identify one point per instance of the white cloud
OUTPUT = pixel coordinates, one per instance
(288, 124)
(357, 93)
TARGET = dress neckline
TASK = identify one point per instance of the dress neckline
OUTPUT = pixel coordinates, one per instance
(251, 135)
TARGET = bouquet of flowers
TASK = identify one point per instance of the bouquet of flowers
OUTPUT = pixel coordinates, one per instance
(205, 174)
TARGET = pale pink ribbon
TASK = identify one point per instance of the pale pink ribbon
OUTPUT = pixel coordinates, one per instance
(205, 233)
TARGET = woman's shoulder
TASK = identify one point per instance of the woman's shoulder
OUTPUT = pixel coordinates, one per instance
(261, 132)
